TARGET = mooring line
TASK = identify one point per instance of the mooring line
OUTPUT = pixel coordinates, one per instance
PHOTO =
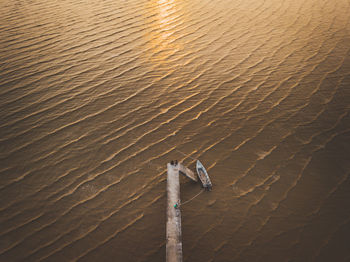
(192, 197)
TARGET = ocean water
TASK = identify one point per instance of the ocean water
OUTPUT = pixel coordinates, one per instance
(97, 96)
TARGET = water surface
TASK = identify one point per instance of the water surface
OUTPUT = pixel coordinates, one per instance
(97, 96)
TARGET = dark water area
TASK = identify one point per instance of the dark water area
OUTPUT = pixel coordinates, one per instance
(97, 96)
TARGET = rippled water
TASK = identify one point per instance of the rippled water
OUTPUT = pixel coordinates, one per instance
(97, 96)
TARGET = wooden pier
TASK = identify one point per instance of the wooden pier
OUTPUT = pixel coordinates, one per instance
(187, 172)
(173, 223)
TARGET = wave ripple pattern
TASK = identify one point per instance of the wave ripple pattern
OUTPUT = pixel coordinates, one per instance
(97, 96)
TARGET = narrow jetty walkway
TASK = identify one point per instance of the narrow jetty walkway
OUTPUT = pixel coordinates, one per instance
(173, 223)
(187, 172)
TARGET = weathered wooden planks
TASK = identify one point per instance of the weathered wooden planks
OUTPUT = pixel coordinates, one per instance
(173, 223)
(187, 172)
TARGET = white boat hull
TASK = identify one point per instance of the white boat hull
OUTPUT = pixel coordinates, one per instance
(203, 175)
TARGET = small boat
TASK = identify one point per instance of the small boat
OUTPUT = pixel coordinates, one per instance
(203, 176)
